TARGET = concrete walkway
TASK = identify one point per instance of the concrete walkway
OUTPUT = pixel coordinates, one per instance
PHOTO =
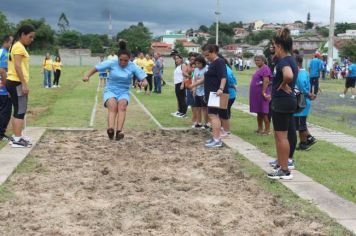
(335, 206)
(337, 138)
(10, 157)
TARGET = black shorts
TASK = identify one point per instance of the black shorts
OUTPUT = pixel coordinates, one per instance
(199, 101)
(19, 100)
(222, 113)
(350, 82)
(300, 123)
(281, 121)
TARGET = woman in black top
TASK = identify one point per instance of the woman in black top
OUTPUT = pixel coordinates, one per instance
(284, 101)
(215, 81)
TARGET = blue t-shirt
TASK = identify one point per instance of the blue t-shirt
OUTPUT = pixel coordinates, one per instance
(216, 71)
(352, 71)
(315, 65)
(303, 84)
(231, 82)
(157, 68)
(277, 81)
(3, 65)
(120, 78)
(198, 75)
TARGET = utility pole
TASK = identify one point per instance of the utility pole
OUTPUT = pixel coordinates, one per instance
(217, 13)
(331, 34)
(110, 26)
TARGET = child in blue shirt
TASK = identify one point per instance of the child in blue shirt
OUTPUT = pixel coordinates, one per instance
(350, 80)
(5, 102)
(303, 85)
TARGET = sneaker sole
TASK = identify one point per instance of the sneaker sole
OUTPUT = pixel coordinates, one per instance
(215, 146)
(19, 146)
(281, 177)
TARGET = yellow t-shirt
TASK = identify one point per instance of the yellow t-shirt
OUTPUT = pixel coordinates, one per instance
(57, 65)
(19, 49)
(149, 66)
(140, 62)
(47, 64)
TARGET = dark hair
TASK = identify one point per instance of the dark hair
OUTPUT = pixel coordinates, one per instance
(283, 38)
(123, 49)
(6, 38)
(193, 54)
(200, 59)
(211, 48)
(296, 52)
(299, 59)
(225, 60)
(58, 58)
(25, 29)
(178, 55)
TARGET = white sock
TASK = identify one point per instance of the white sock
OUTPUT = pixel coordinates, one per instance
(216, 140)
(17, 138)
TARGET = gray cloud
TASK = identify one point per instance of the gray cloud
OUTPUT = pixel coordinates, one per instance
(160, 15)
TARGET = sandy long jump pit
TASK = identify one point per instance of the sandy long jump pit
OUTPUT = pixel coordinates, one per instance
(149, 183)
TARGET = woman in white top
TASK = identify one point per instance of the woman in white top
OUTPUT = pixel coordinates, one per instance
(179, 87)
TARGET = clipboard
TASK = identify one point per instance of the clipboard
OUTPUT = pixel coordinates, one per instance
(218, 101)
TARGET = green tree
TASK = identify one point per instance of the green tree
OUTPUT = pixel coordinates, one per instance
(44, 34)
(138, 37)
(223, 39)
(323, 31)
(181, 49)
(308, 25)
(63, 23)
(349, 50)
(96, 45)
(256, 38)
(5, 26)
(203, 28)
(70, 39)
(341, 28)
(247, 54)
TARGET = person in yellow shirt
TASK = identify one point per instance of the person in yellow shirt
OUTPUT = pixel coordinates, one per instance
(140, 61)
(47, 71)
(148, 68)
(57, 67)
(17, 81)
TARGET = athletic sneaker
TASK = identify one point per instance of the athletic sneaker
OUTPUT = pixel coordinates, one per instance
(342, 95)
(175, 113)
(110, 133)
(119, 135)
(22, 143)
(214, 144)
(198, 126)
(205, 126)
(280, 174)
(303, 147)
(311, 140)
(353, 97)
(181, 115)
(275, 164)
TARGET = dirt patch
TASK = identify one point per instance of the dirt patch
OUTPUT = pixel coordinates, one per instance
(150, 183)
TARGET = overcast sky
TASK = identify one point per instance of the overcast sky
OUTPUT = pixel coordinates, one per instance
(91, 16)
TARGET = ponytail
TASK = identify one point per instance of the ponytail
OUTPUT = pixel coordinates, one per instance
(25, 29)
(284, 38)
(123, 49)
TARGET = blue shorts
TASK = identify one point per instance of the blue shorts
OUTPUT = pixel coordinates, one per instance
(124, 95)
(103, 75)
(190, 98)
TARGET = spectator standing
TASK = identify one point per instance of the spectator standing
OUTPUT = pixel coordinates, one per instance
(5, 101)
(157, 73)
(57, 68)
(315, 67)
(350, 79)
(260, 94)
(47, 71)
(17, 82)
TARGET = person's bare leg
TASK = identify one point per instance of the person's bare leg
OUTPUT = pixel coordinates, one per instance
(282, 148)
(111, 104)
(17, 126)
(267, 123)
(216, 125)
(260, 122)
(199, 114)
(225, 124)
(122, 106)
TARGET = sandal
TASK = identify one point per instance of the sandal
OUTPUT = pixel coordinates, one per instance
(266, 132)
(110, 133)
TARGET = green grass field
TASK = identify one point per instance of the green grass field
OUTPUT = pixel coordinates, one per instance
(71, 106)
